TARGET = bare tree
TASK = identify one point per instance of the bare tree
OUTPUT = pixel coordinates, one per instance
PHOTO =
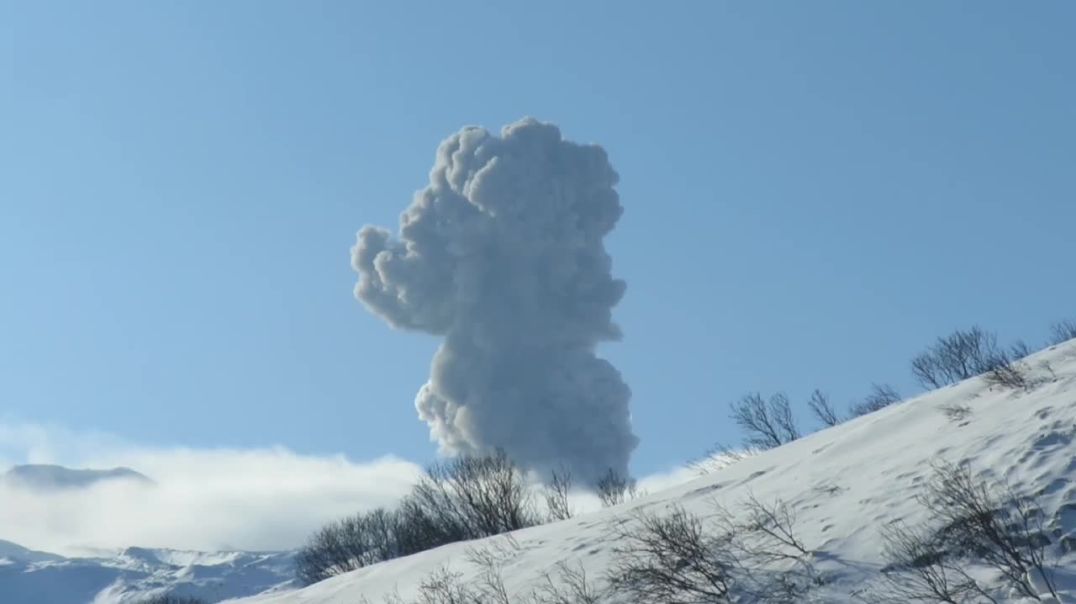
(766, 424)
(614, 488)
(1062, 331)
(925, 369)
(556, 494)
(822, 409)
(881, 396)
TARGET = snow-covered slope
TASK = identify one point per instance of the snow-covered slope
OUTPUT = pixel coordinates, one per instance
(844, 484)
(29, 577)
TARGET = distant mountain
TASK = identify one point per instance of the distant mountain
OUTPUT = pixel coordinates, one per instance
(12, 553)
(43, 477)
(134, 574)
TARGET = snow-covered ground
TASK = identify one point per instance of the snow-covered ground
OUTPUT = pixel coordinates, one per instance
(844, 485)
(29, 577)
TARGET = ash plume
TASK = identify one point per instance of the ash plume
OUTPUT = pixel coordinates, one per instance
(502, 255)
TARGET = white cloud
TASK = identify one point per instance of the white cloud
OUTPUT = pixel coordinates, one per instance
(203, 499)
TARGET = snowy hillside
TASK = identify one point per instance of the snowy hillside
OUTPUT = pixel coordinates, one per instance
(843, 485)
(29, 577)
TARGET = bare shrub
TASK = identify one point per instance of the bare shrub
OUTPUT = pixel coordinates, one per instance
(1062, 331)
(566, 585)
(472, 496)
(881, 396)
(465, 498)
(1003, 529)
(1019, 350)
(348, 544)
(672, 559)
(570, 585)
(171, 599)
(766, 424)
(677, 558)
(960, 355)
(718, 457)
(772, 524)
(447, 587)
(1009, 374)
(919, 569)
(822, 409)
(956, 412)
(556, 494)
(614, 488)
(971, 522)
(776, 564)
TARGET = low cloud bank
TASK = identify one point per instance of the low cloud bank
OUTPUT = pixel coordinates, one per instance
(207, 499)
(200, 499)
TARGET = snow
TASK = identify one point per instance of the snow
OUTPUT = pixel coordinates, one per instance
(844, 483)
(135, 573)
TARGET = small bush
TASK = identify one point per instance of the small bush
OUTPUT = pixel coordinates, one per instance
(474, 497)
(718, 457)
(1009, 374)
(465, 498)
(921, 570)
(171, 599)
(614, 489)
(567, 584)
(679, 558)
(960, 355)
(971, 521)
(673, 559)
(570, 585)
(955, 412)
(1062, 331)
(1019, 350)
(880, 397)
(556, 495)
(348, 544)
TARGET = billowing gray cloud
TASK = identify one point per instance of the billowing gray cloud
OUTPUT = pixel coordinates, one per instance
(502, 255)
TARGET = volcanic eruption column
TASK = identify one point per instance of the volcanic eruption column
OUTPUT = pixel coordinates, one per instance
(502, 256)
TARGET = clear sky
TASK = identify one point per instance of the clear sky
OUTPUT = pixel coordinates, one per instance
(812, 192)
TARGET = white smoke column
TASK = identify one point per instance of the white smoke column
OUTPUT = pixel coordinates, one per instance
(502, 255)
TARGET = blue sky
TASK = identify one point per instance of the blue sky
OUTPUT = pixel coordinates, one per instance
(812, 192)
